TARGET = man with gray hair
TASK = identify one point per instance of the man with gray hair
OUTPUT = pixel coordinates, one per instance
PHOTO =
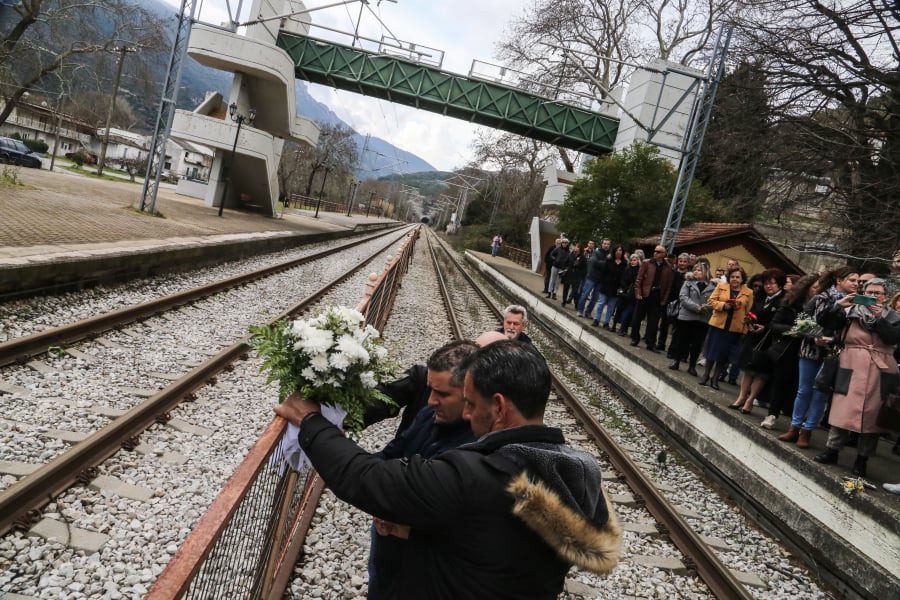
(515, 320)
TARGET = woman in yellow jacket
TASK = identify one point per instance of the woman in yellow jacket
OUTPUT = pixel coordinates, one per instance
(730, 302)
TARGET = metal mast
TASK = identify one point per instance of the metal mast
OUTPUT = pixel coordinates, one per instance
(694, 139)
(157, 155)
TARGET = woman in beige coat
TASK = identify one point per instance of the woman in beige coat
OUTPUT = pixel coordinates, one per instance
(868, 370)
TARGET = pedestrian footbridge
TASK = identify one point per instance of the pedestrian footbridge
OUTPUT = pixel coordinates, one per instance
(427, 87)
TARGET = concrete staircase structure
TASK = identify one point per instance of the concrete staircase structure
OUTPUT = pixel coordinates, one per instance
(263, 80)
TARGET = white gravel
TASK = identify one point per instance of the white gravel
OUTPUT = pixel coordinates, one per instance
(145, 534)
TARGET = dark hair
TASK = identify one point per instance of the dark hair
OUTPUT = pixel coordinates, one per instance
(512, 368)
(612, 253)
(829, 278)
(449, 356)
(733, 269)
(796, 296)
(777, 274)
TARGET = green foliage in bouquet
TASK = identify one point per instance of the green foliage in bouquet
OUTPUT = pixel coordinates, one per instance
(330, 358)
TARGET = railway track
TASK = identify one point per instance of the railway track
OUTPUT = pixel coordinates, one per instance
(721, 581)
(316, 574)
(150, 358)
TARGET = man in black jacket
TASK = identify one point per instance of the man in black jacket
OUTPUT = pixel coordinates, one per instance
(504, 517)
(437, 427)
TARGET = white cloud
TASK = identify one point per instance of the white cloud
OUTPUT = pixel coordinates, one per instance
(463, 29)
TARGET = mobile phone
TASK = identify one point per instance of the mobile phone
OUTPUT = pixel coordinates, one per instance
(864, 300)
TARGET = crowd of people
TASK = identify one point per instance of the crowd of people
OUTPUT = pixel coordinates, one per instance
(820, 349)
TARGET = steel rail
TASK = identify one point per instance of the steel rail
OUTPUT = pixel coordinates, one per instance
(20, 503)
(444, 290)
(21, 349)
(717, 576)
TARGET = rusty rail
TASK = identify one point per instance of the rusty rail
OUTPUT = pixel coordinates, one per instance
(293, 501)
(19, 504)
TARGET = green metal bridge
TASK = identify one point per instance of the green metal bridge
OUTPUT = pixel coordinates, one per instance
(432, 89)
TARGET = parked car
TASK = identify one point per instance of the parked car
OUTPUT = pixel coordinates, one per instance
(15, 152)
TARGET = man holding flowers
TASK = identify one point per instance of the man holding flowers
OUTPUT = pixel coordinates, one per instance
(505, 516)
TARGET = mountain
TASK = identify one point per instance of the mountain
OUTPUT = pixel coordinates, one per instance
(378, 157)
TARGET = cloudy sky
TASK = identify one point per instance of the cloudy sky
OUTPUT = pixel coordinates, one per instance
(465, 30)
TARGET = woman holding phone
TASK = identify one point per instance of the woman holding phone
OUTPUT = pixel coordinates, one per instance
(867, 370)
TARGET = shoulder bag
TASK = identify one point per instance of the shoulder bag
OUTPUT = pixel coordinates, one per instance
(672, 309)
(828, 374)
(759, 358)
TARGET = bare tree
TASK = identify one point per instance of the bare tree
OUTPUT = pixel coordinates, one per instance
(335, 153)
(833, 85)
(602, 40)
(50, 36)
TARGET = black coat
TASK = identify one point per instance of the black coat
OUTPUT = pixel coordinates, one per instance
(465, 541)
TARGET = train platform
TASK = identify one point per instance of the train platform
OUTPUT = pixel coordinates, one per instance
(60, 228)
(775, 482)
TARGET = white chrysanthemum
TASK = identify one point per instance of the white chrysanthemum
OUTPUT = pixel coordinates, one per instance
(309, 374)
(370, 333)
(319, 362)
(299, 329)
(350, 315)
(356, 352)
(339, 360)
(316, 341)
(367, 378)
(380, 352)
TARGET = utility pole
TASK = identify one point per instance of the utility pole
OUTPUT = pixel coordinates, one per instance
(122, 50)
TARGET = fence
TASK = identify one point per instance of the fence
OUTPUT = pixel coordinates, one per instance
(246, 544)
(310, 203)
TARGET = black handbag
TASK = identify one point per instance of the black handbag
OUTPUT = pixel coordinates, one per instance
(828, 372)
(759, 358)
(778, 348)
(672, 309)
(889, 413)
(827, 377)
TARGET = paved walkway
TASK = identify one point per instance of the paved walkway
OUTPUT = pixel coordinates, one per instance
(60, 213)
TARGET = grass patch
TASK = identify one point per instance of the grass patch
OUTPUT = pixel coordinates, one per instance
(9, 177)
(145, 213)
(88, 173)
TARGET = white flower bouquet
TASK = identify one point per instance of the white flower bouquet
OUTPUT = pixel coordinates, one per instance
(331, 358)
(804, 326)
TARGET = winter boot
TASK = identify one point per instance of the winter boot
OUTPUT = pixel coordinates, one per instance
(859, 466)
(791, 435)
(674, 365)
(829, 457)
(803, 438)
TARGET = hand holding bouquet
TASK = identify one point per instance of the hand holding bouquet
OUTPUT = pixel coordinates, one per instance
(330, 358)
(805, 326)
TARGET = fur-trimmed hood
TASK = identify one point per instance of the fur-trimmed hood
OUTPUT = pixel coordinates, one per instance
(557, 493)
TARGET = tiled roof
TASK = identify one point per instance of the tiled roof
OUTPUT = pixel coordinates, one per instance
(702, 232)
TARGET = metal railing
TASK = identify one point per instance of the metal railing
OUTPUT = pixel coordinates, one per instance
(246, 544)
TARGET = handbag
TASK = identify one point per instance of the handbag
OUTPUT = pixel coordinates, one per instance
(759, 358)
(779, 348)
(672, 309)
(827, 376)
(889, 413)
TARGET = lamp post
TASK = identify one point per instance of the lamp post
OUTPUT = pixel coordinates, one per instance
(350, 194)
(321, 191)
(239, 119)
(123, 50)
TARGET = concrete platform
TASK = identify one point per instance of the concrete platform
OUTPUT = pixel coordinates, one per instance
(61, 230)
(856, 538)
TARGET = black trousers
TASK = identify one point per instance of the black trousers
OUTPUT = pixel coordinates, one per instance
(650, 308)
(687, 340)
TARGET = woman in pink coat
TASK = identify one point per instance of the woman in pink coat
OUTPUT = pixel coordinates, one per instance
(868, 370)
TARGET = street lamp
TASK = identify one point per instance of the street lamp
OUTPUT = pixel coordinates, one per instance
(123, 50)
(321, 191)
(239, 119)
(350, 195)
